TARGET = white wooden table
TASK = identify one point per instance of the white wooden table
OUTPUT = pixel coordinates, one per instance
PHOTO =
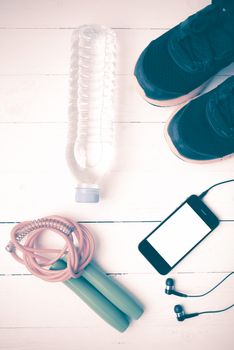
(145, 184)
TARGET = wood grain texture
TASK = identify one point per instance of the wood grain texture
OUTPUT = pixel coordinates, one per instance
(47, 51)
(118, 14)
(139, 187)
(145, 183)
(116, 250)
(156, 328)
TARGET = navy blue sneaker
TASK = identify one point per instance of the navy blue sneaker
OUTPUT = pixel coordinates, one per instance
(177, 66)
(203, 130)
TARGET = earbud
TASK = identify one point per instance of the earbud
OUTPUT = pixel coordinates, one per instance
(170, 288)
(179, 310)
(181, 315)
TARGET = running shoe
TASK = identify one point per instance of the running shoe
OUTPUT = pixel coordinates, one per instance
(178, 65)
(203, 130)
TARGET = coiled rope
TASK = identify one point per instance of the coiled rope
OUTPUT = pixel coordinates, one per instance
(78, 248)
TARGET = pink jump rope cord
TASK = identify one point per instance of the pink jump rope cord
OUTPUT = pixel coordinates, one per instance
(78, 255)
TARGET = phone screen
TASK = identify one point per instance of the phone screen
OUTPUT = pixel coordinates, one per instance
(179, 234)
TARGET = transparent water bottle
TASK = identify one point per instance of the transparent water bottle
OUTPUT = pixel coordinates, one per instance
(91, 112)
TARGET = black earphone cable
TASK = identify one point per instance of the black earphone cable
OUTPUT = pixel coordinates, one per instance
(209, 291)
(203, 194)
(216, 311)
(183, 316)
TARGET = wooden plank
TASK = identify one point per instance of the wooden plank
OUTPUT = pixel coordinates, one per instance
(29, 99)
(72, 13)
(47, 51)
(35, 179)
(152, 336)
(65, 309)
(43, 98)
(58, 314)
(115, 239)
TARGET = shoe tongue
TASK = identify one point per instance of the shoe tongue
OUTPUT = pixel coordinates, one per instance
(200, 40)
(220, 109)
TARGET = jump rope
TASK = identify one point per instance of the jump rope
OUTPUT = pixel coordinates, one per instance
(72, 265)
(35, 261)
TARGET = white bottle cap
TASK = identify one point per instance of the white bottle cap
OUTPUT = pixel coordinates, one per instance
(87, 195)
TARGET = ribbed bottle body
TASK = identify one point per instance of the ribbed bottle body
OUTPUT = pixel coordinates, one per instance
(92, 76)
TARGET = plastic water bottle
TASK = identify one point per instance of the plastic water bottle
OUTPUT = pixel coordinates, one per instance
(91, 112)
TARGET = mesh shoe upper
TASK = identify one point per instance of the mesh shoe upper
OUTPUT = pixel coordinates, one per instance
(204, 128)
(204, 41)
(187, 55)
(220, 110)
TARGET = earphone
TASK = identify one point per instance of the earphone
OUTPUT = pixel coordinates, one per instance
(179, 310)
(170, 284)
(181, 315)
(170, 288)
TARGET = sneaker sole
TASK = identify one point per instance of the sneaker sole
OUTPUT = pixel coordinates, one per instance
(176, 152)
(174, 101)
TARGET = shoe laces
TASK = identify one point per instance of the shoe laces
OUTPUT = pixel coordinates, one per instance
(221, 109)
(204, 38)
